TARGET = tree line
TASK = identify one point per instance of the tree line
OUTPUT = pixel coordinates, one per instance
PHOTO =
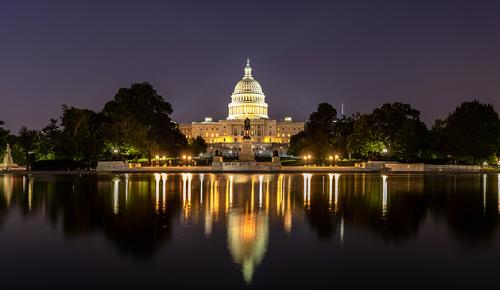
(469, 135)
(135, 124)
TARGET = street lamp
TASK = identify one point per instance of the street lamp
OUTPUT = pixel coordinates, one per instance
(306, 157)
(331, 159)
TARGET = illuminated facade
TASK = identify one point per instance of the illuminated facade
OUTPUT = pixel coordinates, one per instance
(247, 101)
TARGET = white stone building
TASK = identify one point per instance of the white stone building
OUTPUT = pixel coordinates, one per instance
(247, 101)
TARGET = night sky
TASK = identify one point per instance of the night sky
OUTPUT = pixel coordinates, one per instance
(431, 54)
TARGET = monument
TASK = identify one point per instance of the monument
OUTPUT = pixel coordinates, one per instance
(7, 162)
(246, 154)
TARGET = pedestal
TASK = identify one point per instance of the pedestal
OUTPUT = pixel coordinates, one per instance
(246, 153)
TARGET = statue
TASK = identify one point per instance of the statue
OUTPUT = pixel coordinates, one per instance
(246, 127)
(7, 159)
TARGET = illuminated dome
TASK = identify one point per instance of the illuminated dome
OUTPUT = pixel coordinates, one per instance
(248, 86)
(247, 100)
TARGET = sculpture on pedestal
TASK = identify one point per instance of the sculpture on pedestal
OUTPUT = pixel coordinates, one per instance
(246, 129)
(246, 144)
(7, 159)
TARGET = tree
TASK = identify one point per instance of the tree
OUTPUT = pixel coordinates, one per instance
(81, 137)
(471, 133)
(27, 140)
(49, 141)
(318, 135)
(197, 145)
(138, 118)
(342, 129)
(365, 141)
(394, 129)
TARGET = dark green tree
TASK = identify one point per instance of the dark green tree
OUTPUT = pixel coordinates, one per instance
(197, 145)
(81, 137)
(471, 133)
(27, 140)
(49, 141)
(365, 141)
(342, 129)
(138, 119)
(393, 129)
(318, 137)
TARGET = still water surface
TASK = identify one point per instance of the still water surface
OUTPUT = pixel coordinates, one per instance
(249, 231)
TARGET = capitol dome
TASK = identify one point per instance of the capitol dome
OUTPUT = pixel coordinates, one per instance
(248, 99)
(248, 86)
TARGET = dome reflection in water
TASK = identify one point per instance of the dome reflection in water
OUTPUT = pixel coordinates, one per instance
(249, 230)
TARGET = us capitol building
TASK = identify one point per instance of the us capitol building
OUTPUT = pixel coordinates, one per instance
(247, 101)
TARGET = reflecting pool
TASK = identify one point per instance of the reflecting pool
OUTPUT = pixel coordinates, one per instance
(249, 231)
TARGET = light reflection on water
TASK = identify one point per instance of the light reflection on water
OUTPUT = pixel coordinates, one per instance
(142, 215)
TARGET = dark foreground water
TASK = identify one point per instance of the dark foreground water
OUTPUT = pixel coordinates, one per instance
(183, 231)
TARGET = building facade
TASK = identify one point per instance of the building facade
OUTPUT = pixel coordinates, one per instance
(247, 101)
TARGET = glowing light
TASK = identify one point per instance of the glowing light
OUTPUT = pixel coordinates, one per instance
(261, 178)
(126, 188)
(157, 191)
(202, 176)
(307, 189)
(164, 192)
(231, 189)
(116, 204)
(384, 195)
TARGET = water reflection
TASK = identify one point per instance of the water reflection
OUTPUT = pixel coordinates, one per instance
(384, 195)
(138, 213)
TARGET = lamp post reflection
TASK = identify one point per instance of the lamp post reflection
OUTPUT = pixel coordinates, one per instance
(126, 188)
(261, 178)
(202, 176)
(384, 195)
(231, 190)
(116, 204)
(336, 192)
(157, 191)
(186, 193)
(307, 189)
(498, 190)
(484, 192)
(164, 192)
(30, 192)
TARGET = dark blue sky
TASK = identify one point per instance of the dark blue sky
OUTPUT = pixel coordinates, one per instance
(431, 54)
